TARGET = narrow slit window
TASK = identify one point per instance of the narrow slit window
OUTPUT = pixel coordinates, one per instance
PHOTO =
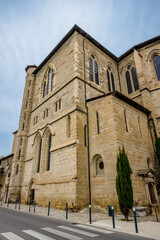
(52, 80)
(17, 169)
(39, 156)
(24, 116)
(140, 132)
(112, 78)
(21, 140)
(29, 83)
(60, 104)
(28, 93)
(68, 126)
(23, 126)
(97, 117)
(85, 135)
(19, 154)
(125, 119)
(49, 153)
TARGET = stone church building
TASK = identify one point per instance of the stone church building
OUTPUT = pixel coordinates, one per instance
(79, 106)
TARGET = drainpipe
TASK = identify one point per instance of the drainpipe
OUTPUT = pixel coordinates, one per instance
(119, 78)
(88, 149)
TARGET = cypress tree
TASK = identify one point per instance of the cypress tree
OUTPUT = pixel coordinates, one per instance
(124, 183)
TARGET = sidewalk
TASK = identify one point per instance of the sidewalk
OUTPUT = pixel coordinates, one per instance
(147, 226)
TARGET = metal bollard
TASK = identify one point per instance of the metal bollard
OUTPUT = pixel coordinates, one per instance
(135, 219)
(66, 210)
(8, 203)
(16, 206)
(90, 214)
(156, 214)
(113, 220)
(48, 208)
(29, 208)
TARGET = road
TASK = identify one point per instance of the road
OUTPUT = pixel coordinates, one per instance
(16, 225)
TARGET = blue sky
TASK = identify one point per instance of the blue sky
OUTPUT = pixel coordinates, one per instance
(30, 29)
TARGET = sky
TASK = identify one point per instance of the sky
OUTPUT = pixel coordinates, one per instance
(30, 29)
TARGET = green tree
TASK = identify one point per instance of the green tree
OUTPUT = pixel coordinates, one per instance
(158, 149)
(124, 183)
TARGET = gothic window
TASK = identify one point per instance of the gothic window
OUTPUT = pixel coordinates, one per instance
(49, 153)
(131, 79)
(110, 78)
(93, 70)
(39, 156)
(48, 82)
(156, 61)
(58, 105)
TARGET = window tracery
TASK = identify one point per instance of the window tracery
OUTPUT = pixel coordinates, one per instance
(93, 70)
(131, 79)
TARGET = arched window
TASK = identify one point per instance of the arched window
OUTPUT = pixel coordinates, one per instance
(110, 78)
(93, 70)
(48, 82)
(131, 79)
(39, 156)
(156, 61)
(98, 165)
(49, 153)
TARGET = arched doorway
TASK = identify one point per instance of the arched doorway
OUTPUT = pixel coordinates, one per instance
(31, 192)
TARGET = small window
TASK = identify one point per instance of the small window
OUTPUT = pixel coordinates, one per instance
(28, 93)
(97, 117)
(19, 154)
(52, 80)
(46, 112)
(24, 116)
(26, 104)
(85, 135)
(48, 83)
(90, 69)
(17, 168)
(139, 127)
(60, 104)
(68, 126)
(125, 119)
(156, 61)
(56, 107)
(23, 126)
(39, 156)
(29, 83)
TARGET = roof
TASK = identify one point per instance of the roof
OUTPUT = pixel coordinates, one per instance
(7, 156)
(66, 37)
(92, 40)
(123, 98)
